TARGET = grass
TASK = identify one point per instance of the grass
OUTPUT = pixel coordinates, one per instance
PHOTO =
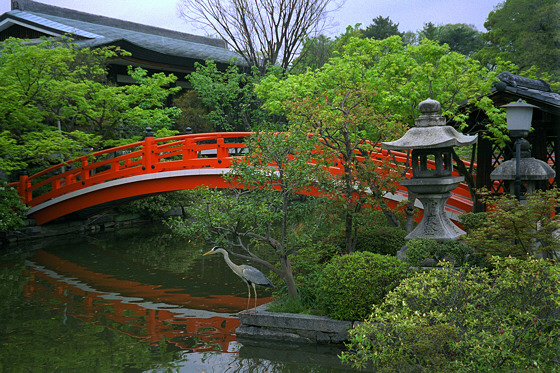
(290, 305)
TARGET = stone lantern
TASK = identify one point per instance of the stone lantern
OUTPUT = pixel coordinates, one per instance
(523, 169)
(529, 172)
(432, 140)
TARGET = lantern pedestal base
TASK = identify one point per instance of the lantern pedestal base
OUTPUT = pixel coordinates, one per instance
(434, 193)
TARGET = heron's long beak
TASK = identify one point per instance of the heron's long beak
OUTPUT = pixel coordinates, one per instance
(209, 252)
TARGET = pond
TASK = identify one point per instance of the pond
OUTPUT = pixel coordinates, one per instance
(137, 300)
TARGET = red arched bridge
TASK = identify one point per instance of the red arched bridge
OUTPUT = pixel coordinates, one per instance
(104, 179)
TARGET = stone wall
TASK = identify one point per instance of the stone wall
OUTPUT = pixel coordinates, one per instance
(98, 223)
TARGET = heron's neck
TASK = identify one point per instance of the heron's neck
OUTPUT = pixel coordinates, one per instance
(231, 264)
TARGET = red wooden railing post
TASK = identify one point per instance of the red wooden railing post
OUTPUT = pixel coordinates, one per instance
(188, 151)
(23, 186)
(221, 151)
(84, 174)
(148, 151)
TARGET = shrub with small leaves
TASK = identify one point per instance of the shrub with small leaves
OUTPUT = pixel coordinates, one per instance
(512, 228)
(11, 208)
(350, 284)
(503, 319)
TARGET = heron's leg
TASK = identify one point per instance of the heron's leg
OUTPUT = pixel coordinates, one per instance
(255, 289)
(249, 297)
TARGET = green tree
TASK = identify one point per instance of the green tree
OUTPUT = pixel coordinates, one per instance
(525, 32)
(430, 31)
(194, 114)
(381, 28)
(367, 94)
(461, 38)
(57, 101)
(227, 97)
(513, 229)
(261, 217)
(11, 208)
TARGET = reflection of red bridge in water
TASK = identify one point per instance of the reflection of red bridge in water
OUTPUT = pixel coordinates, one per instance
(140, 310)
(104, 179)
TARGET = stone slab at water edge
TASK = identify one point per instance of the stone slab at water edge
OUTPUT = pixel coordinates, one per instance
(291, 327)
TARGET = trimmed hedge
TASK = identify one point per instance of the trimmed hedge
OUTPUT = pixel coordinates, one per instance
(350, 284)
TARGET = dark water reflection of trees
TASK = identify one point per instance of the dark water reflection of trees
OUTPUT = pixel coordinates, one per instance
(139, 300)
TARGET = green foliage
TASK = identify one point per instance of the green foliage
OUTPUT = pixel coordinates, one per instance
(11, 208)
(420, 249)
(370, 92)
(228, 101)
(350, 284)
(307, 264)
(288, 305)
(473, 220)
(56, 83)
(524, 32)
(466, 320)
(516, 229)
(392, 77)
(315, 52)
(194, 114)
(43, 148)
(430, 31)
(461, 38)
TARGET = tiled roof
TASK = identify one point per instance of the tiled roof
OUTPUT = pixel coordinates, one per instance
(53, 25)
(535, 89)
(91, 30)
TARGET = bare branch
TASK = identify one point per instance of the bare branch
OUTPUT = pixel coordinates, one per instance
(263, 32)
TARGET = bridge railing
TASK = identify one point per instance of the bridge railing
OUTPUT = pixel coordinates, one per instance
(148, 156)
(194, 151)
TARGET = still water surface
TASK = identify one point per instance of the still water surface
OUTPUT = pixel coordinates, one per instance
(139, 300)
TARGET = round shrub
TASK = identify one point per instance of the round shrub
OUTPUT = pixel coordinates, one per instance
(350, 284)
(381, 239)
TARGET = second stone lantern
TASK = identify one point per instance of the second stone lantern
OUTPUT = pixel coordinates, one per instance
(432, 140)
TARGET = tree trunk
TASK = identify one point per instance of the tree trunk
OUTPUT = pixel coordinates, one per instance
(288, 276)
(348, 232)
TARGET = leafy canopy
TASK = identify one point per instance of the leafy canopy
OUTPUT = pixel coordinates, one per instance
(57, 101)
(524, 32)
(396, 78)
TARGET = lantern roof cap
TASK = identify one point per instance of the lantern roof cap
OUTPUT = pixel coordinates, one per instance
(530, 169)
(430, 131)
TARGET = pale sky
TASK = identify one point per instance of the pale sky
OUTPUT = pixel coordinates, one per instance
(409, 14)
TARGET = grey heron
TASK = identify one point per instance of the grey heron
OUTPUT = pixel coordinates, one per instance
(250, 275)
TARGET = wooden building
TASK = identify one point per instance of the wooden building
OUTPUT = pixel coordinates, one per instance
(152, 48)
